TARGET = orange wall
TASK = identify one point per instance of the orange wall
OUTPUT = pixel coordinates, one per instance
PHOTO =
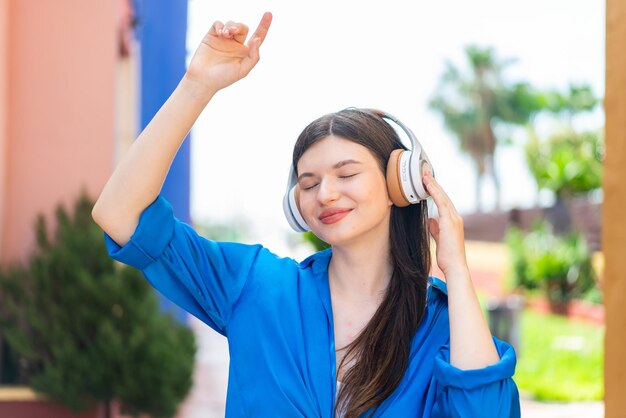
(61, 59)
(4, 20)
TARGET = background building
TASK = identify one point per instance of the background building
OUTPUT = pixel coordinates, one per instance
(70, 106)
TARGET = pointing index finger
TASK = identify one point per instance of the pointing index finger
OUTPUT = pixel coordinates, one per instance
(264, 25)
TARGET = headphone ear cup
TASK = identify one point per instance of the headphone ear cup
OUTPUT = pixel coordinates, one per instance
(394, 185)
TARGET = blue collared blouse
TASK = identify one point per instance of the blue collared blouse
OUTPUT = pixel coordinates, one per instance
(277, 316)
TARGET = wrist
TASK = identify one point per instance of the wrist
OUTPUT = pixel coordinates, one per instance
(457, 272)
(196, 90)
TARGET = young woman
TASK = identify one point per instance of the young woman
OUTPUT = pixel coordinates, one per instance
(356, 330)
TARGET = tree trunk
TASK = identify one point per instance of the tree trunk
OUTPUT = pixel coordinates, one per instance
(559, 215)
(479, 203)
(496, 180)
(107, 409)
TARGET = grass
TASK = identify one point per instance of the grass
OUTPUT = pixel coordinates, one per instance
(560, 359)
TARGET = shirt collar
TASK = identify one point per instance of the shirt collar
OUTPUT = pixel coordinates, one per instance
(318, 262)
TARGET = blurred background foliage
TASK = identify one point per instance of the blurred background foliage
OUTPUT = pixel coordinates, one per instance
(81, 328)
(558, 265)
(317, 243)
(476, 102)
(567, 163)
(561, 358)
(481, 107)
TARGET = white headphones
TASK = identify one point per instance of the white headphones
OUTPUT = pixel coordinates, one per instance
(405, 169)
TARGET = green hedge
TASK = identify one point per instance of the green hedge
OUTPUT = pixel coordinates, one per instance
(85, 329)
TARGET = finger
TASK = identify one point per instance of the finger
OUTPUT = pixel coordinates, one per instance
(216, 28)
(441, 199)
(237, 31)
(261, 30)
(253, 56)
(433, 228)
(254, 44)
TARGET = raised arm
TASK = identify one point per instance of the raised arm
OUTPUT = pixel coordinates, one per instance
(221, 59)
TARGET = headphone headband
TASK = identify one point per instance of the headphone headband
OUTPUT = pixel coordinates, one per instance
(406, 129)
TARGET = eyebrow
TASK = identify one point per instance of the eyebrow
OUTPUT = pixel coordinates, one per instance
(336, 166)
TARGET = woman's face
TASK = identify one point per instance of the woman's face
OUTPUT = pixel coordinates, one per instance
(343, 193)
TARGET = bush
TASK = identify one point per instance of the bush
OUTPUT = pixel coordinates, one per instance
(85, 329)
(560, 266)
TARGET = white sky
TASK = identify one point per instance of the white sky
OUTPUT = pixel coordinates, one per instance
(323, 56)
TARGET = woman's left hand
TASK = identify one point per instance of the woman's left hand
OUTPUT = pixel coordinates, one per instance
(471, 344)
(447, 230)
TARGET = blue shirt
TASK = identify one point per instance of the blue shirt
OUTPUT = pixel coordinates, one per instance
(277, 316)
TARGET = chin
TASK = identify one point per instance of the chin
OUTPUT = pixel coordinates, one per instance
(330, 237)
(338, 236)
(347, 232)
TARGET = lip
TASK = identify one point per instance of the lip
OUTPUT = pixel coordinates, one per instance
(331, 216)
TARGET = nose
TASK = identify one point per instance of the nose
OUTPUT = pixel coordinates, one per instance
(327, 192)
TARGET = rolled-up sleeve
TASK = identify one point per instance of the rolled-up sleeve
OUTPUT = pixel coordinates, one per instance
(201, 276)
(487, 392)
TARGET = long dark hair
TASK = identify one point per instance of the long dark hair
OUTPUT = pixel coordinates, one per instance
(381, 351)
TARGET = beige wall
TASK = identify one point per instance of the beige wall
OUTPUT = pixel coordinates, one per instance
(126, 109)
(614, 230)
(61, 60)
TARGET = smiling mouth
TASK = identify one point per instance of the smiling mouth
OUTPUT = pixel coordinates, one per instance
(331, 217)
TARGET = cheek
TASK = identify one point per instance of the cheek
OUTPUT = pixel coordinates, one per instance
(305, 203)
(375, 190)
(378, 197)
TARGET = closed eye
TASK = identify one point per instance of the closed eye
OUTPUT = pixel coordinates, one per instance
(310, 187)
(316, 184)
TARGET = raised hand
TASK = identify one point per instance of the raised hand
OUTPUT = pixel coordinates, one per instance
(222, 57)
(447, 230)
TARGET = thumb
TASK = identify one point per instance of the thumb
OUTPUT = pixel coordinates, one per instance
(433, 228)
(253, 55)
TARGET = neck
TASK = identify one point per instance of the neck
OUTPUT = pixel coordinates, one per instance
(362, 271)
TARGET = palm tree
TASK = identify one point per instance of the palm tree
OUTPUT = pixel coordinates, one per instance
(473, 104)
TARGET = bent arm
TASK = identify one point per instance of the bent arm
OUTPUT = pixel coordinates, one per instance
(139, 176)
(471, 345)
